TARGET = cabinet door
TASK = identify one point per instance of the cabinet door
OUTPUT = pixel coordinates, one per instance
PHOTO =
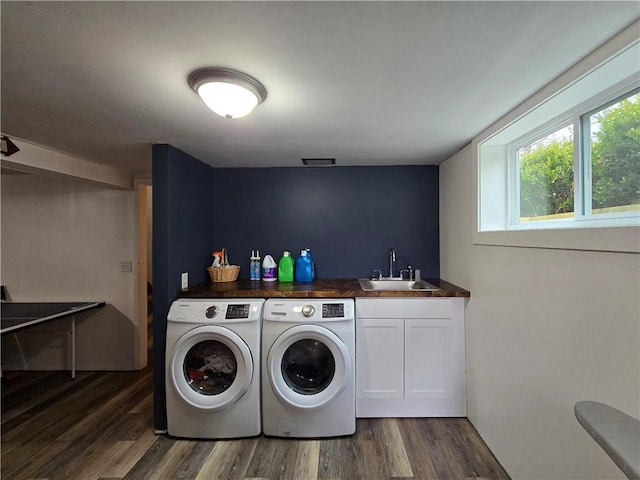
(379, 358)
(434, 364)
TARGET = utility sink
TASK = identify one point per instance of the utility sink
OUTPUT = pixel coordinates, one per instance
(396, 285)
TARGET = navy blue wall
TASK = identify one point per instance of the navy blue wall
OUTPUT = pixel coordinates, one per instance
(182, 234)
(348, 216)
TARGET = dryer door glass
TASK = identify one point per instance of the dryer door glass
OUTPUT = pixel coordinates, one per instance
(308, 366)
(210, 367)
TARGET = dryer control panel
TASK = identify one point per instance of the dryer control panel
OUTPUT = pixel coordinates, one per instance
(309, 310)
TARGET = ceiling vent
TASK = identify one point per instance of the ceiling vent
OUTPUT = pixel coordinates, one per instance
(318, 162)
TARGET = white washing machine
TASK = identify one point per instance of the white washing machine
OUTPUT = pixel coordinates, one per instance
(308, 368)
(212, 368)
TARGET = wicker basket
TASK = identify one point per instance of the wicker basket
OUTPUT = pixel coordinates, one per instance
(225, 273)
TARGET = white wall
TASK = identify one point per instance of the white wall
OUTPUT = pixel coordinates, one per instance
(545, 329)
(63, 240)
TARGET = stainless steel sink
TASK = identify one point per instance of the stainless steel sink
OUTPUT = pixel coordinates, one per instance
(396, 285)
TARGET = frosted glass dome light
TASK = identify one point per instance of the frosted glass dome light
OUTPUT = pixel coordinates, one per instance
(228, 93)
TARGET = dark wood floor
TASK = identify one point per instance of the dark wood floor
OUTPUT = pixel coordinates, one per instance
(99, 426)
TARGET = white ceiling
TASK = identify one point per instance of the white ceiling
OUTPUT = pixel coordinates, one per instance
(369, 83)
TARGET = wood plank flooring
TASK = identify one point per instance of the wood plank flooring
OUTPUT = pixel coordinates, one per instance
(100, 426)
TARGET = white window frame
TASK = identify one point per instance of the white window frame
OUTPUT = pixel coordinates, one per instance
(607, 73)
(584, 162)
(576, 117)
(514, 172)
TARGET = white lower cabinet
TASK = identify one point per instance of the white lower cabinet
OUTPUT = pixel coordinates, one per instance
(410, 357)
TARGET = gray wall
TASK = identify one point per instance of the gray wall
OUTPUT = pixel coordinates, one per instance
(63, 240)
(545, 329)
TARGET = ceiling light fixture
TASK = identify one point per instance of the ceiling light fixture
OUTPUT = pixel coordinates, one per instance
(229, 93)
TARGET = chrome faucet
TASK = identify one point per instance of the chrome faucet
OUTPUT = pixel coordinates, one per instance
(392, 262)
(409, 272)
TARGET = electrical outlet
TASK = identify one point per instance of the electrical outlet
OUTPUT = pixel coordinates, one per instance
(185, 280)
(126, 266)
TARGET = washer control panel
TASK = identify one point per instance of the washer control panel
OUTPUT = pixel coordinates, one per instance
(233, 311)
(208, 310)
(333, 310)
(237, 311)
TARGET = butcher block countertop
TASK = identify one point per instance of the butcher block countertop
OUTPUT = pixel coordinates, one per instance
(339, 288)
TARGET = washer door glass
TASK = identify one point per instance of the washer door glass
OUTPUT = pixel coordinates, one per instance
(308, 366)
(211, 367)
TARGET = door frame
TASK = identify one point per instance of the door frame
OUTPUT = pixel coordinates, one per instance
(144, 246)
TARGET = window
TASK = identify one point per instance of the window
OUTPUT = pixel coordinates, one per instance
(545, 169)
(612, 152)
(548, 167)
(562, 170)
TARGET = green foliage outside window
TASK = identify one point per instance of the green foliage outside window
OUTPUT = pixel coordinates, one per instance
(546, 172)
(546, 180)
(616, 156)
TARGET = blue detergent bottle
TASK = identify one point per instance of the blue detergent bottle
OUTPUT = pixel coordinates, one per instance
(304, 268)
(313, 265)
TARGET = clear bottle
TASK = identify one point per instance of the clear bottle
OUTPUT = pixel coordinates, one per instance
(254, 270)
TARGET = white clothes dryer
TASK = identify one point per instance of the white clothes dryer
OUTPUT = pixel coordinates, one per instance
(212, 368)
(308, 368)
